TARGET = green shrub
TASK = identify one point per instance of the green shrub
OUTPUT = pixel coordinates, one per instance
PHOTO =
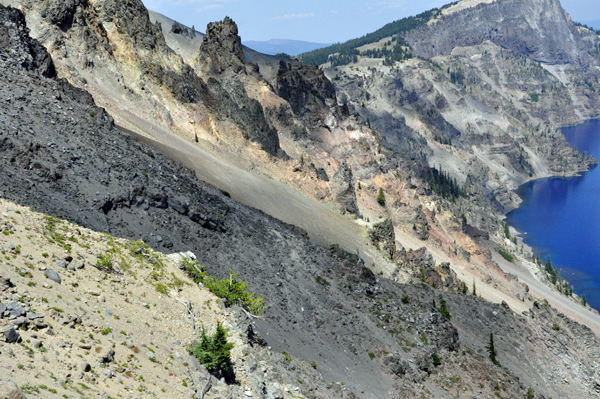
(106, 331)
(214, 351)
(505, 254)
(436, 359)
(405, 299)
(160, 287)
(235, 292)
(286, 356)
(105, 263)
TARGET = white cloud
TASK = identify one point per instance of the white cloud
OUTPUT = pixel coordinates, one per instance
(293, 16)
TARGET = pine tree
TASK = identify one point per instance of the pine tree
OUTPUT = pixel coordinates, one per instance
(381, 197)
(492, 350)
(196, 137)
(549, 267)
(443, 309)
(584, 300)
(474, 289)
(214, 351)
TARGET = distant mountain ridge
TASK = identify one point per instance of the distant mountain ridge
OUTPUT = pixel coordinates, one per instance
(291, 47)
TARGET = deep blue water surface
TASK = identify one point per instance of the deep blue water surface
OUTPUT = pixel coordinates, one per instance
(561, 217)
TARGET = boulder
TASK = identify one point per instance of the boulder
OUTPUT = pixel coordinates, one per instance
(396, 365)
(15, 309)
(5, 283)
(76, 265)
(108, 357)
(11, 335)
(52, 275)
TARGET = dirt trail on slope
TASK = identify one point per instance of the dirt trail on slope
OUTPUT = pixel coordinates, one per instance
(324, 226)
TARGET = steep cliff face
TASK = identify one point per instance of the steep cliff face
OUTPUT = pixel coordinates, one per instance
(538, 29)
(297, 83)
(222, 62)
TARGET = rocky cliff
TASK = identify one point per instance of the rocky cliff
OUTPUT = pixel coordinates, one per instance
(221, 49)
(540, 30)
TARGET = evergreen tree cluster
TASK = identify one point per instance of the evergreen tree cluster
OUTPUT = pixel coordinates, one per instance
(442, 140)
(457, 77)
(554, 276)
(443, 185)
(344, 53)
(506, 230)
(213, 351)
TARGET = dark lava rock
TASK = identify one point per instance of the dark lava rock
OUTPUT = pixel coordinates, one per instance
(319, 172)
(383, 237)
(11, 335)
(25, 52)
(221, 48)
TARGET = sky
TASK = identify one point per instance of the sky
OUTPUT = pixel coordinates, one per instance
(321, 21)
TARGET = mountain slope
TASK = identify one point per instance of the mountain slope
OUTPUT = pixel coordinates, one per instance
(323, 304)
(540, 30)
(291, 47)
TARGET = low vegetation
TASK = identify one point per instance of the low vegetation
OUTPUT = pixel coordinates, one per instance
(233, 291)
(505, 254)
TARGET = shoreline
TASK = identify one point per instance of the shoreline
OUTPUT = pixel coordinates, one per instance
(529, 249)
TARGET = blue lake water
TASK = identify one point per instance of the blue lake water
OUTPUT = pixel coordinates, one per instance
(562, 217)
